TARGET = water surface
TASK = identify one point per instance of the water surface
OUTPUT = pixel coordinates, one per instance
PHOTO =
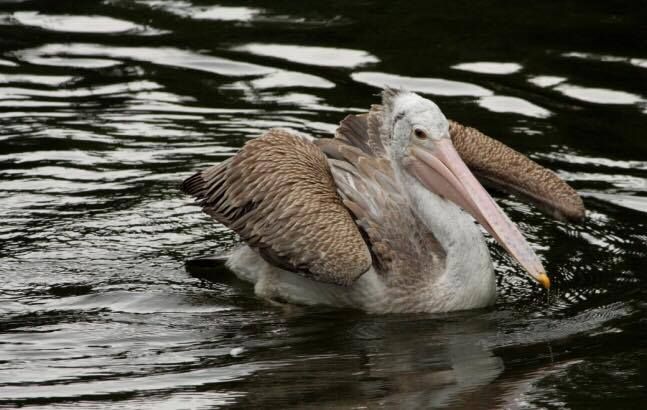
(106, 106)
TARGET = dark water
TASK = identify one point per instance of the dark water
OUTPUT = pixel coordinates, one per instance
(106, 106)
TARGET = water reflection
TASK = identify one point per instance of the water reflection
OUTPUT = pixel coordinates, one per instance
(320, 56)
(224, 13)
(487, 67)
(7, 63)
(630, 201)
(162, 56)
(74, 62)
(638, 62)
(282, 79)
(50, 80)
(133, 86)
(546, 80)
(434, 86)
(598, 95)
(186, 9)
(232, 14)
(442, 87)
(502, 103)
(80, 24)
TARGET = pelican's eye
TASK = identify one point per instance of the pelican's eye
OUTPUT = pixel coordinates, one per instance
(420, 134)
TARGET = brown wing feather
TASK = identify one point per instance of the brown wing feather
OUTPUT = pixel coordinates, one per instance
(398, 240)
(498, 165)
(278, 194)
(363, 131)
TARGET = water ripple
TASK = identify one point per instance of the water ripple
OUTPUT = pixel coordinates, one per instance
(80, 24)
(319, 56)
(488, 67)
(434, 86)
(106, 107)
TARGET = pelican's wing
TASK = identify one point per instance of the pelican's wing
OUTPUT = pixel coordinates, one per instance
(278, 194)
(398, 240)
(497, 165)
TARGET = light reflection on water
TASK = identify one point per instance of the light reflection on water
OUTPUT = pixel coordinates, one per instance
(106, 108)
(79, 24)
(489, 67)
(186, 9)
(319, 56)
(434, 86)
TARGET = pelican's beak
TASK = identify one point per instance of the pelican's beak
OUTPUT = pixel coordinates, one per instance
(443, 172)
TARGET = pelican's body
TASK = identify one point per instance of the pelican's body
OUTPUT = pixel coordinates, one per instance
(467, 281)
(374, 219)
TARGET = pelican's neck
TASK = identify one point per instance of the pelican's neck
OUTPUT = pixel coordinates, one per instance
(469, 275)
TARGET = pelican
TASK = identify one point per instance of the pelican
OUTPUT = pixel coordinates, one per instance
(382, 216)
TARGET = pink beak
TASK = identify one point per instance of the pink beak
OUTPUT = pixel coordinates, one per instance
(444, 173)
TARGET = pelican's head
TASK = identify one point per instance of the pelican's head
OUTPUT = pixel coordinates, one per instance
(421, 145)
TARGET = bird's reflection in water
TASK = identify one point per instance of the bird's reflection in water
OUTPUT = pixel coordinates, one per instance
(429, 363)
(345, 358)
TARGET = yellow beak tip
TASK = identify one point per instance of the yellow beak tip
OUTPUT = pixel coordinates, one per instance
(544, 280)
